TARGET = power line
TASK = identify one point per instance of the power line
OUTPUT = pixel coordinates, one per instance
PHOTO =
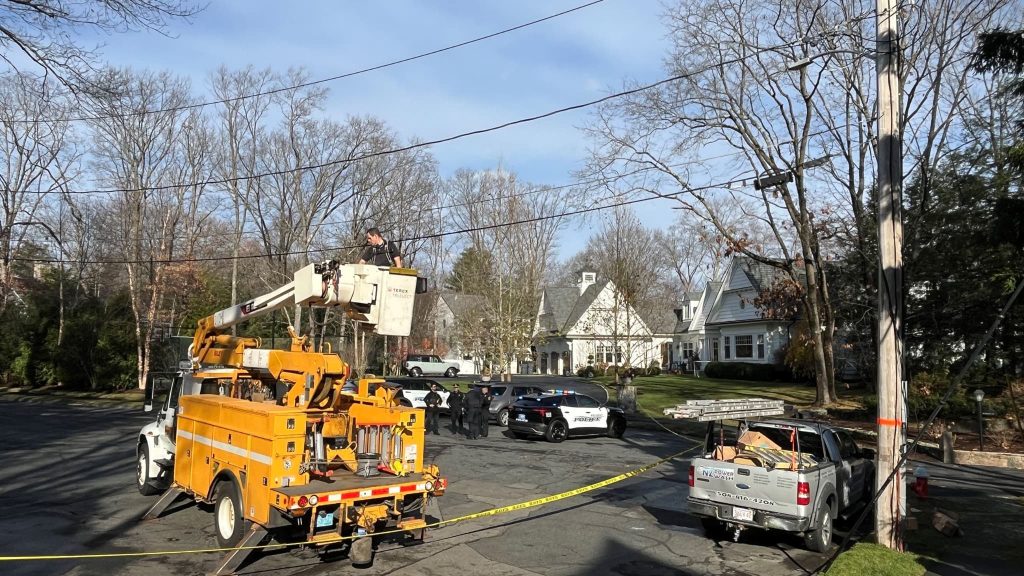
(331, 78)
(534, 190)
(443, 140)
(575, 212)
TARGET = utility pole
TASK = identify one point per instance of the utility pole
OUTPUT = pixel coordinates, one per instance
(891, 401)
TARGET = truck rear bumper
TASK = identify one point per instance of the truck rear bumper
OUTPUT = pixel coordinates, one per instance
(762, 519)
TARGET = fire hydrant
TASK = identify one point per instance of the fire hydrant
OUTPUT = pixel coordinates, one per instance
(920, 486)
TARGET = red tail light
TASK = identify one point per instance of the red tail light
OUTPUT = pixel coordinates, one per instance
(303, 501)
(803, 493)
(689, 478)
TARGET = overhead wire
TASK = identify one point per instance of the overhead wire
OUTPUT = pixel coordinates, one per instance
(466, 230)
(458, 136)
(330, 78)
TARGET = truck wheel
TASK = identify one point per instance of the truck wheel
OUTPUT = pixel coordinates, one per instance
(227, 515)
(142, 477)
(415, 372)
(820, 538)
(557, 431)
(616, 428)
(451, 372)
(502, 418)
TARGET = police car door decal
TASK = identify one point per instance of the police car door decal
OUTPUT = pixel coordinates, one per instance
(578, 417)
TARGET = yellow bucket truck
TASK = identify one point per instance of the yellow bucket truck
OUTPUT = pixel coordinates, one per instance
(280, 442)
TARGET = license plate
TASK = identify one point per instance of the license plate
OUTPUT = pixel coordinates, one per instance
(521, 417)
(325, 521)
(743, 514)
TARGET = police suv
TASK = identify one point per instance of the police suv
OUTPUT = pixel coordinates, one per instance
(556, 416)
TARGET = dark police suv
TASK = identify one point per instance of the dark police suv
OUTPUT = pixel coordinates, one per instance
(558, 416)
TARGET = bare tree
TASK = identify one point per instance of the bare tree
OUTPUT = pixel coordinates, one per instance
(734, 91)
(240, 142)
(155, 161)
(511, 222)
(39, 152)
(43, 31)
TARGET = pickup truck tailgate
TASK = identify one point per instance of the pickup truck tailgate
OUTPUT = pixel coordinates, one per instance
(746, 487)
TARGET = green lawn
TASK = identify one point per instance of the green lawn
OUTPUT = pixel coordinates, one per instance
(655, 393)
(866, 558)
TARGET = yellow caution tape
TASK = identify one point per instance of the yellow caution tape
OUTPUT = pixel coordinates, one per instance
(474, 516)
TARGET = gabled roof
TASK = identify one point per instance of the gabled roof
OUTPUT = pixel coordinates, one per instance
(582, 304)
(462, 305)
(660, 321)
(557, 302)
(705, 305)
(760, 275)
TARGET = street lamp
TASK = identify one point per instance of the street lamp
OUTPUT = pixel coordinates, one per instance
(979, 395)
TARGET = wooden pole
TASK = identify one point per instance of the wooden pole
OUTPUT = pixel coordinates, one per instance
(891, 404)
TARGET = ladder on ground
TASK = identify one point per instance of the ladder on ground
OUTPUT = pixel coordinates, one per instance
(709, 410)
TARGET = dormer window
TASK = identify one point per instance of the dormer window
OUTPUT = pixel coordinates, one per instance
(589, 277)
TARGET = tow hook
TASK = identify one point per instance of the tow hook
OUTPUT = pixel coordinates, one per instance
(736, 532)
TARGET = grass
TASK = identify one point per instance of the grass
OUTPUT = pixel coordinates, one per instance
(877, 560)
(655, 393)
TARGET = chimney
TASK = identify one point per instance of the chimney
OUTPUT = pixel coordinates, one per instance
(587, 279)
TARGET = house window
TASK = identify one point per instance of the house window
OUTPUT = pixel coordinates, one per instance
(608, 354)
(760, 345)
(745, 346)
(714, 349)
(687, 350)
(728, 347)
(743, 304)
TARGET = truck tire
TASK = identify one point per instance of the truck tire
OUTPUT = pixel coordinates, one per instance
(415, 372)
(227, 514)
(143, 480)
(616, 428)
(819, 538)
(451, 373)
(502, 418)
(557, 431)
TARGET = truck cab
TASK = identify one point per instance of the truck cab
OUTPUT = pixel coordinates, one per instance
(154, 454)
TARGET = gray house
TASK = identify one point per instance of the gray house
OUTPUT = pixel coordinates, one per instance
(721, 323)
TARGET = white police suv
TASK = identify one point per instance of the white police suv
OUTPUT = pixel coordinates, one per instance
(557, 416)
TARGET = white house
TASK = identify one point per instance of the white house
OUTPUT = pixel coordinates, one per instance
(587, 322)
(721, 323)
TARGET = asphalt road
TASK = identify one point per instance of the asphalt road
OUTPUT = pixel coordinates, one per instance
(67, 487)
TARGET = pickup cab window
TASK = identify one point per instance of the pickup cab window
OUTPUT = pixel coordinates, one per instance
(847, 447)
(810, 443)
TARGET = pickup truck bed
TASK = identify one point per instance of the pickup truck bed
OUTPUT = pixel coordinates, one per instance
(787, 475)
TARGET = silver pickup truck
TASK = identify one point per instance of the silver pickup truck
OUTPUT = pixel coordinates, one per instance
(792, 475)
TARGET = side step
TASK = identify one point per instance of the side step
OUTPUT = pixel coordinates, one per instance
(165, 500)
(234, 559)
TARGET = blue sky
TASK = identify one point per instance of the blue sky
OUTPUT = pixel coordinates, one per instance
(568, 60)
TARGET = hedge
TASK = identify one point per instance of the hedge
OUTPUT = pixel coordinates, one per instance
(749, 371)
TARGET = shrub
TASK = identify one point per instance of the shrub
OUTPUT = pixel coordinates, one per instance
(749, 371)
(654, 369)
(585, 372)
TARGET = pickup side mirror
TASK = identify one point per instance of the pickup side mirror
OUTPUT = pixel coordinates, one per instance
(867, 453)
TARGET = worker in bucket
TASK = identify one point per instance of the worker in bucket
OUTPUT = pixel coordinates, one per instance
(379, 251)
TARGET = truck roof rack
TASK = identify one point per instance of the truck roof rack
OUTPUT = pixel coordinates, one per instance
(708, 410)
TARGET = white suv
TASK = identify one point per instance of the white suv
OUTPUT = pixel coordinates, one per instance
(420, 364)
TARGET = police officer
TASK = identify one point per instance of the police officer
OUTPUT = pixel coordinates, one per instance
(455, 402)
(485, 410)
(433, 402)
(473, 401)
